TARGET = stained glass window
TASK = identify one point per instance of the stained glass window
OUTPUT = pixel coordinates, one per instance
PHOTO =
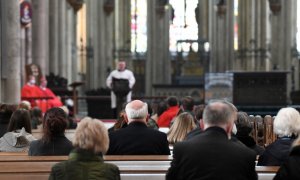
(184, 26)
(138, 26)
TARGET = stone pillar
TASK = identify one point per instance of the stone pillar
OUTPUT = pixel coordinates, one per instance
(40, 34)
(62, 49)
(53, 36)
(100, 40)
(158, 65)
(253, 45)
(123, 31)
(203, 23)
(221, 37)
(10, 73)
(284, 25)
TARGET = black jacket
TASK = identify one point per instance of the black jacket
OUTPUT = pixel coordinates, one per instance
(210, 155)
(291, 168)
(59, 145)
(276, 153)
(138, 139)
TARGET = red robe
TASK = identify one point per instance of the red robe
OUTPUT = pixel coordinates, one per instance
(30, 91)
(165, 119)
(48, 103)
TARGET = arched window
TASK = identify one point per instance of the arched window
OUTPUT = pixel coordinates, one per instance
(138, 26)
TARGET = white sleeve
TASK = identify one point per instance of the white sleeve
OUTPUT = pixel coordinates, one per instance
(131, 80)
(109, 80)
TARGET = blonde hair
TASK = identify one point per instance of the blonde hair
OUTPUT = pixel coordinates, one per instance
(183, 124)
(287, 122)
(91, 134)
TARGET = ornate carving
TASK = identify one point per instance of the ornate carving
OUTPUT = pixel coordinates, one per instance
(109, 6)
(76, 4)
(275, 6)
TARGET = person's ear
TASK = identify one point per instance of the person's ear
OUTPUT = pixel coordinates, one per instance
(229, 128)
(147, 118)
(125, 118)
(201, 124)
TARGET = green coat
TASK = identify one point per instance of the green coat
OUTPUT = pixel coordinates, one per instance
(84, 165)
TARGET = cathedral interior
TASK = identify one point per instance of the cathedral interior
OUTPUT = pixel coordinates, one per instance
(246, 51)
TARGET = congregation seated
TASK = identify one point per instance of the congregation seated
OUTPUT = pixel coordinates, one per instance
(24, 105)
(286, 126)
(183, 124)
(211, 155)
(86, 161)
(18, 136)
(120, 123)
(151, 123)
(53, 141)
(244, 129)
(290, 169)
(137, 138)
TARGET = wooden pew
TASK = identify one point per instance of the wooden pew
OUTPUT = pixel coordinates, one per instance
(16, 167)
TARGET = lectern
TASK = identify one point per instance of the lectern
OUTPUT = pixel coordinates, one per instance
(74, 85)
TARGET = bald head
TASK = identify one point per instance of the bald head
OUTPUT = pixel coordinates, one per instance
(218, 114)
(136, 110)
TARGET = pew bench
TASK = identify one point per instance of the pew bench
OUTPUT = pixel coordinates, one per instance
(19, 166)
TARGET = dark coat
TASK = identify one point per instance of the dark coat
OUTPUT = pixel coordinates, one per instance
(59, 146)
(84, 165)
(138, 139)
(276, 153)
(291, 168)
(210, 155)
(250, 143)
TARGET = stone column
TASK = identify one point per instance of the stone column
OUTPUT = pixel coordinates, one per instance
(53, 36)
(62, 49)
(40, 34)
(100, 39)
(253, 45)
(123, 31)
(221, 37)
(10, 73)
(284, 26)
(203, 23)
(158, 65)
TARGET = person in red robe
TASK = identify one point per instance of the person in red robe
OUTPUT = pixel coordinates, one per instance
(46, 93)
(30, 91)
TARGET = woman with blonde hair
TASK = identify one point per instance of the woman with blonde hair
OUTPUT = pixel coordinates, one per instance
(86, 161)
(183, 124)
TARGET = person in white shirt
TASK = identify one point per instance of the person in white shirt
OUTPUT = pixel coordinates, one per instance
(121, 73)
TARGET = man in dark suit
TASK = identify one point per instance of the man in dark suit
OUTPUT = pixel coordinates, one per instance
(211, 155)
(137, 138)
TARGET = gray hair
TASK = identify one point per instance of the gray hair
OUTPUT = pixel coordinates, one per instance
(218, 113)
(91, 134)
(287, 122)
(139, 113)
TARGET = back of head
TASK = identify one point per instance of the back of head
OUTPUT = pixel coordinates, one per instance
(188, 103)
(199, 111)
(91, 134)
(217, 113)
(25, 105)
(172, 101)
(183, 124)
(55, 123)
(243, 124)
(161, 108)
(136, 110)
(19, 119)
(287, 122)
